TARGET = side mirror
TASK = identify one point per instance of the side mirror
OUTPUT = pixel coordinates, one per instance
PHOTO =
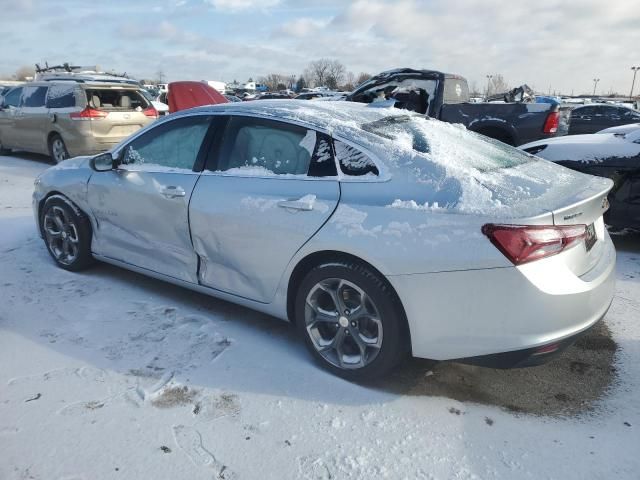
(103, 162)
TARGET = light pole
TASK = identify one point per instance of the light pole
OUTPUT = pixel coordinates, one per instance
(633, 83)
(489, 77)
(595, 84)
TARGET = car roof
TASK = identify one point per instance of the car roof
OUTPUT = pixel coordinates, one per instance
(324, 115)
(46, 83)
(612, 105)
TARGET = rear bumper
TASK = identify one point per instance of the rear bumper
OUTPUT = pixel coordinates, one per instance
(478, 313)
(528, 357)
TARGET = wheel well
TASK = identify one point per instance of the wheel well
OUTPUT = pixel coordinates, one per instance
(497, 133)
(66, 199)
(331, 256)
(51, 135)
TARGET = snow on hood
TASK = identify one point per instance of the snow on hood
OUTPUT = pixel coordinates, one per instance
(590, 148)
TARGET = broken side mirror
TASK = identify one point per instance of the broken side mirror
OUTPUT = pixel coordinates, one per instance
(103, 162)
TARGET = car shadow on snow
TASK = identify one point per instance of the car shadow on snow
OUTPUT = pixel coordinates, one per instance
(33, 157)
(265, 355)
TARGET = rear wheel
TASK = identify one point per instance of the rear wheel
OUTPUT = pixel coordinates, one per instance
(67, 234)
(57, 148)
(350, 320)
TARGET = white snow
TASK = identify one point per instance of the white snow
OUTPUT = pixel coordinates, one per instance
(309, 141)
(107, 374)
(591, 148)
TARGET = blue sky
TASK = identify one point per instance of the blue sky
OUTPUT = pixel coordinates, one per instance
(560, 44)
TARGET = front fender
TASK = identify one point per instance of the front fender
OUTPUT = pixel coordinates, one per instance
(69, 178)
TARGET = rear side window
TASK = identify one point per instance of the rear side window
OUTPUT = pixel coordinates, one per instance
(265, 147)
(353, 162)
(61, 96)
(170, 146)
(587, 111)
(34, 96)
(12, 99)
(115, 99)
(456, 90)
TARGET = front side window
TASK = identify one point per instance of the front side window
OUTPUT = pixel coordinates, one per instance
(12, 99)
(172, 145)
(34, 96)
(61, 96)
(265, 147)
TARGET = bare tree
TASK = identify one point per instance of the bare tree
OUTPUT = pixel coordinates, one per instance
(497, 84)
(349, 81)
(318, 71)
(335, 74)
(363, 77)
(24, 73)
(273, 81)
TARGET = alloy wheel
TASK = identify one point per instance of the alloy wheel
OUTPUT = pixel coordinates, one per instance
(61, 234)
(59, 150)
(343, 323)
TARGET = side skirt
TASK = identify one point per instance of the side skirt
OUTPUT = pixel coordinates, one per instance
(269, 309)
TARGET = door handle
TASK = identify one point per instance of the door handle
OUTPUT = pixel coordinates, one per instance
(173, 192)
(305, 203)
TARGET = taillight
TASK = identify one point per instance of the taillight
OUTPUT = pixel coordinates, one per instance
(88, 114)
(150, 112)
(526, 243)
(551, 123)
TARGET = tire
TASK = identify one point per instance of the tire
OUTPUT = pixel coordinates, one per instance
(4, 151)
(57, 149)
(368, 338)
(67, 234)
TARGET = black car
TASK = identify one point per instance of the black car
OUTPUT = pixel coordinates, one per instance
(596, 117)
(608, 154)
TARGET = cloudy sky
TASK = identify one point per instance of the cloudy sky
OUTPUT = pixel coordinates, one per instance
(557, 44)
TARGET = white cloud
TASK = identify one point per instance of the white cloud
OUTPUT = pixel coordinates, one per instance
(301, 27)
(238, 5)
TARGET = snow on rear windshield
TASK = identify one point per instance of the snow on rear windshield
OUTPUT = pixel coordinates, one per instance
(422, 135)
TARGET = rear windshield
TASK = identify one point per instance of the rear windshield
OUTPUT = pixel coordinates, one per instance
(456, 90)
(114, 99)
(448, 143)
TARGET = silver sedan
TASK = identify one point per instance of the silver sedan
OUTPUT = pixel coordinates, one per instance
(380, 233)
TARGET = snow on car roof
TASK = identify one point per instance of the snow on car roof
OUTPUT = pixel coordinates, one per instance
(437, 162)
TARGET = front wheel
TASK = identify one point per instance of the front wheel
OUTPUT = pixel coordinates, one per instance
(351, 321)
(67, 234)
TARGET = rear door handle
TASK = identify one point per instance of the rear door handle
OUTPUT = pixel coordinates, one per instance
(173, 192)
(304, 203)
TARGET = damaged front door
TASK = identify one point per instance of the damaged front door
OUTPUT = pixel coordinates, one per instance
(141, 207)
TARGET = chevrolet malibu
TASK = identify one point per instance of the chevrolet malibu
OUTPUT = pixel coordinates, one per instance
(379, 233)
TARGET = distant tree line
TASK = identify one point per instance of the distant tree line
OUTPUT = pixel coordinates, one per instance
(324, 72)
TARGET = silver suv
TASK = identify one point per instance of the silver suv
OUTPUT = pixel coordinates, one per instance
(64, 118)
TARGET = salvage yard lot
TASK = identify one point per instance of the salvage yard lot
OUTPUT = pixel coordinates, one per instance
(109, 374)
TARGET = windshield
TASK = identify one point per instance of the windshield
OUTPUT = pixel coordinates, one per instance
(449, 143)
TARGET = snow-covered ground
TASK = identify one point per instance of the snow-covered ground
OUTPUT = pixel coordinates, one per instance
(106, 374)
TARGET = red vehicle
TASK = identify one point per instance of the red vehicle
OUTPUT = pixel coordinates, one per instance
(185, 95)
